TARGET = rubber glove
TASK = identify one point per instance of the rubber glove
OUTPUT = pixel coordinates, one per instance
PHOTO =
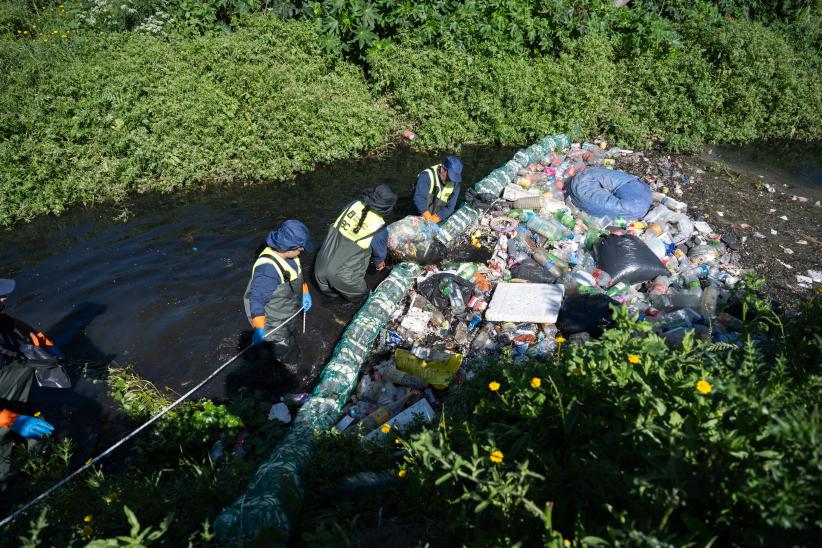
(380, 266)
(258, 338)
(307, 302)
(31, 427)
(431, 217)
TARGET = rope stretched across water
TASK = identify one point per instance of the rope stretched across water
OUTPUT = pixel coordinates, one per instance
(11, 517)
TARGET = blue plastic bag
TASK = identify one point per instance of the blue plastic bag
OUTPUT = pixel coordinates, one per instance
(600, 191)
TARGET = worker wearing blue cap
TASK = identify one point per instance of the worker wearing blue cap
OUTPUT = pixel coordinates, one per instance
(437, 190)
(18, 341)
(276, 291)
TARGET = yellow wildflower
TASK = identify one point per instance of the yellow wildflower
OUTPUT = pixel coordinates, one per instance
(34, 26)
(38, 414)
(576, 371)
(536, 382)
(112, 497)
(497, 456)
(385, 428)
(402, 473)
(25, 32)
(566, 542)
(54, 32)
(493, 386)
(63, 36)
(633, 358)
(560, 340)
(703, 386)
(87, 518)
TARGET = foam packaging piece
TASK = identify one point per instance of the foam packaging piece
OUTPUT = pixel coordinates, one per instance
(534, 303)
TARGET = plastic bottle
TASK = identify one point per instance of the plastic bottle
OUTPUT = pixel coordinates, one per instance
(602, 278)
(544, 258)
(451, 290)
(565, 218)
(693, 274)
(722, 277)
(382, 414)
(703, 254)
(295, 400)
(708, 303)
(466, 271)
(669, 202)
(659, 286)
(481, 339)
(618, 288)
(475, 321)
(531, 202)
(549, 228)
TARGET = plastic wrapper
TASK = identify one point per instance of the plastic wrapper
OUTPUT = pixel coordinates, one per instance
(437, 372)
(627, 259)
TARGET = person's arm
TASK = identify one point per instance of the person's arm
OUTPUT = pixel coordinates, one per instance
(379, 247)
(452, 203)
(265, 282)
(421, 193)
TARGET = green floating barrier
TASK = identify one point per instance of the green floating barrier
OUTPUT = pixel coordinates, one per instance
(264, 512)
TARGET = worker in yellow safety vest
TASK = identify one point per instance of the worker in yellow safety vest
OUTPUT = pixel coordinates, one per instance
(437, 190)
(276, 291)
(357, 235)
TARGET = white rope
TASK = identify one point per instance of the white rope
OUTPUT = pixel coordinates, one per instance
(11, 517)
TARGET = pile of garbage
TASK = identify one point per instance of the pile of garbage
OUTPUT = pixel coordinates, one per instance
(568, 238)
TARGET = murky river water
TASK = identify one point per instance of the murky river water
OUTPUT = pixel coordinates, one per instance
(163, 290)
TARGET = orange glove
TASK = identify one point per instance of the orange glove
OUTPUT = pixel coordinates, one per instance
(431, 217)
(380, 266)
(7, 418)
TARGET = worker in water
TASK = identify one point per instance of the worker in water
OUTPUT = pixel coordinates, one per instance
(19, 344)
(358, 234)
(437, 190)
(276, 291)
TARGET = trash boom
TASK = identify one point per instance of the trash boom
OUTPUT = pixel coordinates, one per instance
(264, 512)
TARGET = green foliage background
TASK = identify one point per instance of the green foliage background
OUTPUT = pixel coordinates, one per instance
(99, 98)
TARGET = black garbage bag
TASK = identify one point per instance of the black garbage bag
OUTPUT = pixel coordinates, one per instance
(430, 289)
(532, 271)
(627, 259)
(588, 312)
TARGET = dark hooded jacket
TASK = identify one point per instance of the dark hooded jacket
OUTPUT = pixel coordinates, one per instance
(357, 235)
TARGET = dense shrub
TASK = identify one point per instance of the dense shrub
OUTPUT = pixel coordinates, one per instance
(735, 81)
(622, 439)
(91, 118)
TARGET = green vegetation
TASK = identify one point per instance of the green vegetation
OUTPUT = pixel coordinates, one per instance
(105, 97)
(165, 478)
(620, 441)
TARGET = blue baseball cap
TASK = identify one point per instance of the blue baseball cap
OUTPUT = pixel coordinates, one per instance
(454, 167)
(290, 235)
(6, 286)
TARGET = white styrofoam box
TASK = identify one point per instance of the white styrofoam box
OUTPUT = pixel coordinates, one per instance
(536, 303)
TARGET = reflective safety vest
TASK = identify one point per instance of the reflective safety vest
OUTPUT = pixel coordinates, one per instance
(284, 270)
(438, 191)
(349, 219)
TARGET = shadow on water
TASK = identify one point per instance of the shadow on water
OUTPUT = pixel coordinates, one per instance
(163, 291)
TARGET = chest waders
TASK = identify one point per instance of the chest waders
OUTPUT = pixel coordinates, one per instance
(283, 303)
(344, 255)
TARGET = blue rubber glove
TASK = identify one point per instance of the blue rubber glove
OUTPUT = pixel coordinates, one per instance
(307, 302)
(258, 337)
(32, 427)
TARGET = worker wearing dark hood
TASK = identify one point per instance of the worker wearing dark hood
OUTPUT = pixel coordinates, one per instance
(358, 234)
(276, 291)
(18, 341)
(437, 190)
